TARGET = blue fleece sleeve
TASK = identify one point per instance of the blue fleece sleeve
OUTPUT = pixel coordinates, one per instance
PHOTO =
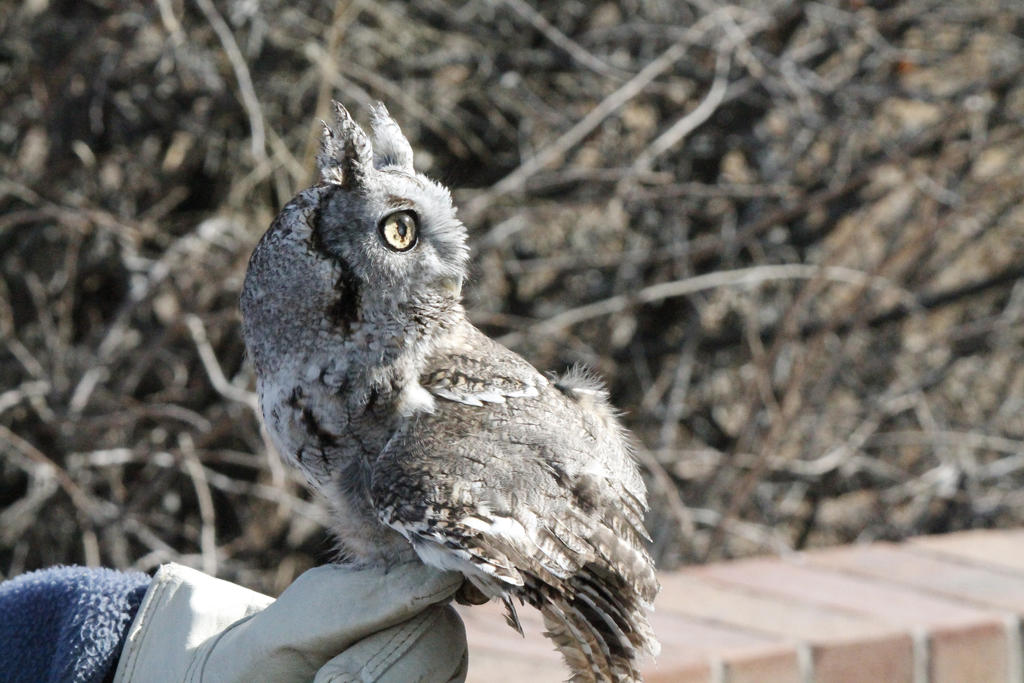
(66, 623)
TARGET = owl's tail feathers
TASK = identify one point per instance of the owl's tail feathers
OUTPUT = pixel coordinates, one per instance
(600, 629)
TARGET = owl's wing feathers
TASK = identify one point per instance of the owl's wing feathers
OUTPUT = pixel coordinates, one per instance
(473, 384)
(480, 371)
(555, 516)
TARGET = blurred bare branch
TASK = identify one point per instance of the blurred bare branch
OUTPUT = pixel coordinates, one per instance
(789, 235)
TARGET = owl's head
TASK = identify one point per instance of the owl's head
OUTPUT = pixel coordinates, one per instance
(391, 228)
(373, 244)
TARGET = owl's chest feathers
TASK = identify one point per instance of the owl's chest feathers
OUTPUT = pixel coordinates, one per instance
(341, 400)
(332, 408)
(331, 412)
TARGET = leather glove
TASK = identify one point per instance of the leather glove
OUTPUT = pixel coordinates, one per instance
(333, 623)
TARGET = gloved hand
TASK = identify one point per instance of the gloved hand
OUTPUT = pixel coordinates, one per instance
(333, 623)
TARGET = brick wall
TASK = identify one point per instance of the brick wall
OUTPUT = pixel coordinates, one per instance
(937, 609)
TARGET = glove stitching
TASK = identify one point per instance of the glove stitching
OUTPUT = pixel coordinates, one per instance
(157, 598)
(398, 643)
(409, 633)
(206, 649)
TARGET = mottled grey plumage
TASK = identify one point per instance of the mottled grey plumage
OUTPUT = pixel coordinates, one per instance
(428, 439)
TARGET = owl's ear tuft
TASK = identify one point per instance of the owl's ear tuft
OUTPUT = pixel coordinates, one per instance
(345, 155)
(390, 147)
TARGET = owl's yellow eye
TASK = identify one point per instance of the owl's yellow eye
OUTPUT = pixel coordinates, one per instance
(399, 230)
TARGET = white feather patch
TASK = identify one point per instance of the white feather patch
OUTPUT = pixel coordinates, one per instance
(415, 399)
(506, 527)
(478, 398)
(469, 400)
(483, 576)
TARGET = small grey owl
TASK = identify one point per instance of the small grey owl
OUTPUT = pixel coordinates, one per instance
(429, 440)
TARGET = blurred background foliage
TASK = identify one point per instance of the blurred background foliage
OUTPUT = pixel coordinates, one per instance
(788, 234)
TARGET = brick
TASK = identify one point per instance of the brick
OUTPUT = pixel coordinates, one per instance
(762, 666)
(854, 609)
(783, 618)
(678, 633)
(893, 604)
(695, 672)
(499, 654)
(995, 549)
(959, 631)
(486, 630)
(929, 574)
(489, 666)
(686, 641)
(686, 647)
(887, 658)
(979, 653)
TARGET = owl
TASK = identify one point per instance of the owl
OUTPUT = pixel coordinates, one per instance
(429, 441)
